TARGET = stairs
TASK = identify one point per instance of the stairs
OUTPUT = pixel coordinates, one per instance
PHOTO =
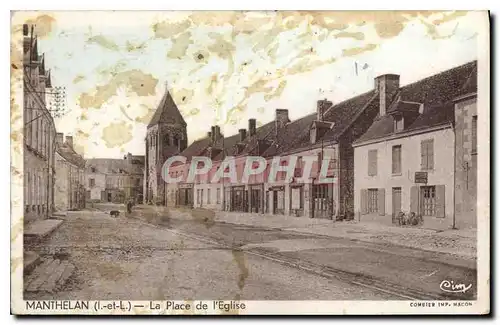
(49, 276)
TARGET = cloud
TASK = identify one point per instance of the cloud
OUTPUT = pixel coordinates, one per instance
(180, 45)
(104, 42)
(136, 81)
(117, 134)
(168, 30)
(358, 50)
(357, 35)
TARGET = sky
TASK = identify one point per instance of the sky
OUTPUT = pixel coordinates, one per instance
(226, 67)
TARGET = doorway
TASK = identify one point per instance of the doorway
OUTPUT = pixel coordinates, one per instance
(278, 200)
(109, 197)
(396, 203)
(322, 200)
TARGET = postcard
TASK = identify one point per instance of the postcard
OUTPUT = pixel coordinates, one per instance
(250, 162)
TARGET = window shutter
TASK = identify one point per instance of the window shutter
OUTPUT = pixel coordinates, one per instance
(430, 154)
(363, 201)
(423, 150)
(372, 162)
(440, 201)
(393, 159)
(414, 199)
(381, 201)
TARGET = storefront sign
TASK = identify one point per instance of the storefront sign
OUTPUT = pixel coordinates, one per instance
(421, 177)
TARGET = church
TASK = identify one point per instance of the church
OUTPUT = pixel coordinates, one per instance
(166, 136)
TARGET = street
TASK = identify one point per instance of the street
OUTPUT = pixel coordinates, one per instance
(150, 256)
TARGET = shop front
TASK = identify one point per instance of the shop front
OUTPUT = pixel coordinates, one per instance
(297, 200)
(322, 201)
(277, 194)
(239, 199)
(256, 203)
(185, 195)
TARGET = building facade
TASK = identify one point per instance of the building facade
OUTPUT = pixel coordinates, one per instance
(404, 161)
(115, 180)
(39, 133)
(69, 188)
(374, 144)
(466, 152)
(166, 136)
(322, 135)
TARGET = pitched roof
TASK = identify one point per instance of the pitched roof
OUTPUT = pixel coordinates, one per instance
(195, 148)
(290, 136)
(229, 144)
(70, 155)
(167, 112)
(435, 93)
(296, 134)
(115, 166)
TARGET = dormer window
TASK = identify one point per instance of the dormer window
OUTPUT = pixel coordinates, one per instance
(318, 130)
(240, 147)
(398, 123)
(313, 135)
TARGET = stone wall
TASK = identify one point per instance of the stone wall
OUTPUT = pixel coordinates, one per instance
(465, 165)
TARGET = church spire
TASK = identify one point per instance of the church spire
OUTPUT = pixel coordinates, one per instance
(167, 111)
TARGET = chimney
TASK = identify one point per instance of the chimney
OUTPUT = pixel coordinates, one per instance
(209, 135)
(217, 133)
(387, 86)
(129, 157)
(252, 126)
(243, 134)
(213, 134)
(281, 118)
(69, 141)
(59, 138)
(321, 108)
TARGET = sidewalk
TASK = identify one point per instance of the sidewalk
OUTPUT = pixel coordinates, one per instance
(39, 229)
(460, 243)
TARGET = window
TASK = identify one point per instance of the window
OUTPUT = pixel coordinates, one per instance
(91, 182)
(208, 196)
(427, 154)
(372, 162)
(218, 196)
(167, 140)
(372, 200)
(474, 134)
(399, 124)
(396, 159)
(428, 200)
(298, 167)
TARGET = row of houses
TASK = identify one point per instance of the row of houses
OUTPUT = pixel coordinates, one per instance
(39, 133)
(53, 171)
(70, 176)
(114, 180)
(393, 149)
